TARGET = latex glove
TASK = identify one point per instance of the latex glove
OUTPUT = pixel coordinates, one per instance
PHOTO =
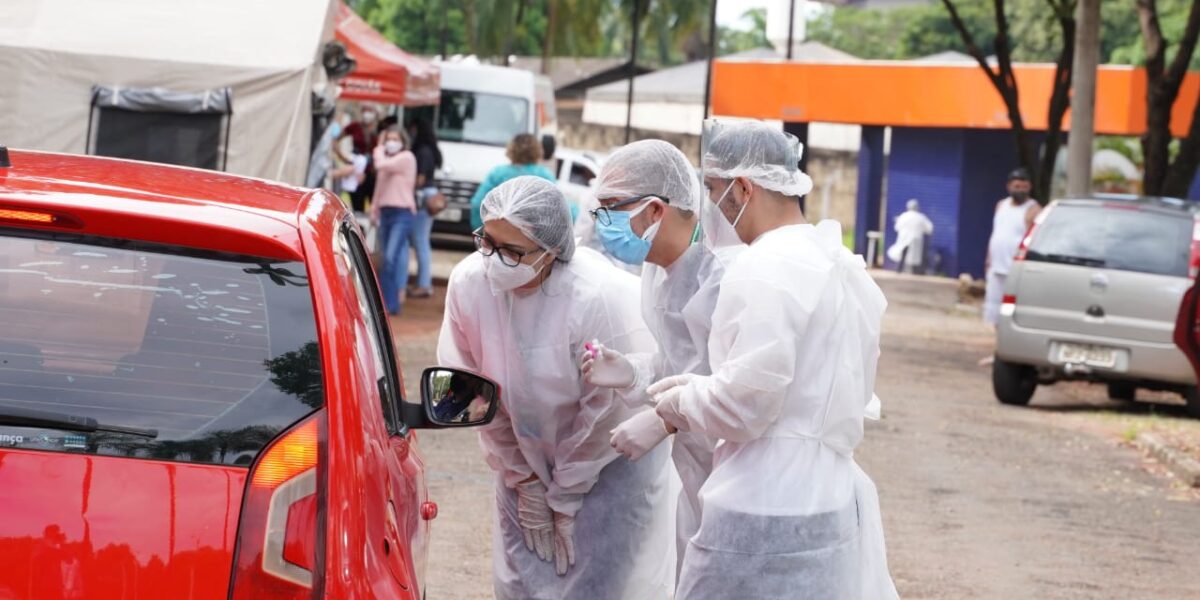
(564, 542)
(535, 518)
(669, 389)
(666, 394)
(607, 368)
(639, 434)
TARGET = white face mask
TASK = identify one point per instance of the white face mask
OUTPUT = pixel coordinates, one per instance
(717, 228)
(503, 278)
(368, 117)
(393, 147)
(652, 230)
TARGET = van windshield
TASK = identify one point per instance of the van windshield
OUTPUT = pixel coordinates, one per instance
(216, 352)
(1125, 238)
(477, 118)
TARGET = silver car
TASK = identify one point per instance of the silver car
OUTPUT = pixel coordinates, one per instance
(1094, 295)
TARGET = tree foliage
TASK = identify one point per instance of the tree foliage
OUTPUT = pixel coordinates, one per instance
(914, 31)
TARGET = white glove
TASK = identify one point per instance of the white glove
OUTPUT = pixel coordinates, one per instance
(607, 368)
(666, 394)
(639, 434)
(535, 518)
(564, 542)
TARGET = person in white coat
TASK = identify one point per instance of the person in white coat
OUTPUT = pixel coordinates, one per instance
(787, 513)
(575, 520)
(912, 229)
(648, 217)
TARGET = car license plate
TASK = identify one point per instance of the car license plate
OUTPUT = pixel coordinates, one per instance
(1093, 356)
(452, 215)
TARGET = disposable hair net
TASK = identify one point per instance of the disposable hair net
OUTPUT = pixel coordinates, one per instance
(754, 150)
(536, 208)
(650, 167)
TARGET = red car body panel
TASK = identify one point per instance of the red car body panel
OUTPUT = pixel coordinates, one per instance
(147, 529)
(79, 526)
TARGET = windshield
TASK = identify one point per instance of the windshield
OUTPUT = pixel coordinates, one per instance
(218, 353)
(1125, 238)
(477, 118)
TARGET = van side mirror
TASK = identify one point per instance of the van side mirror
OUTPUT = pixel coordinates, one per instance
(549, 145)
(456, 398)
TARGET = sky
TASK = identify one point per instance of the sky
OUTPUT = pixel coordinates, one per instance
(729, 12)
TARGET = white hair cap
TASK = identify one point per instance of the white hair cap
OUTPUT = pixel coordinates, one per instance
(535, 207)
(650, 167)
(761, 153)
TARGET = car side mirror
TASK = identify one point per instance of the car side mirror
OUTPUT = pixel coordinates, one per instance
(457, 398)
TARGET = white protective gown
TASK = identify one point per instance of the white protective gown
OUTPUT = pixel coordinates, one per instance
(787, 513)
(677, 305)
(553, 425)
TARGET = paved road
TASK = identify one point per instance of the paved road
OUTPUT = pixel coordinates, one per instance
(980, 500)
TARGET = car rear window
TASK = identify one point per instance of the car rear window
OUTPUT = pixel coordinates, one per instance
(216, 352)
(1122, 237)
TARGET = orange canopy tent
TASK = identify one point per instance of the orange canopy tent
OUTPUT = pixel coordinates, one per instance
(385, 73)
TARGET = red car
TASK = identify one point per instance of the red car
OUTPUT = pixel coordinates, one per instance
(199, 394)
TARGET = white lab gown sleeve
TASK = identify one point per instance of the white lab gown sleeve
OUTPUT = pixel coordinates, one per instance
(499, 442)
(744, 395)
(581, 456)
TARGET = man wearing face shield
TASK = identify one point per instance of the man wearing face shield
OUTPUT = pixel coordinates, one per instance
(650, 197)
(787, 513)
(575, 520)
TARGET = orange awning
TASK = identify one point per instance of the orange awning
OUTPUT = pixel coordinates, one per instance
(385, 73)
(913, 94)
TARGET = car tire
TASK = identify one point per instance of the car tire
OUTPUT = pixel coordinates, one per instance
(1123, 391)
(1013, 383)
(1192, 395)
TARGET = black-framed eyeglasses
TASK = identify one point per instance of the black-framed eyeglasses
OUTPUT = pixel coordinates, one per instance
(509, 256)
(601, 215)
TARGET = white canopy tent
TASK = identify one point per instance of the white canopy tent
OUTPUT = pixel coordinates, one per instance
(124, 78)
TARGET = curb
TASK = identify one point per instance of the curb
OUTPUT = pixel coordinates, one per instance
(1186, 468)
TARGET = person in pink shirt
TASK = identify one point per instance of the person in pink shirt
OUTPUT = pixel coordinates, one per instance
(393, 210)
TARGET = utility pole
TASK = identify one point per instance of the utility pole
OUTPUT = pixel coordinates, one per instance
(1083, 99)
(633, 52)
(791, 27)
(712, 53)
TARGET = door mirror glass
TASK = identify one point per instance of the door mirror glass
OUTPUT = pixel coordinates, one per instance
(455, 398)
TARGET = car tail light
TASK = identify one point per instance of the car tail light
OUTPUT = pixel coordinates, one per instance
(37, 218)
(1008, 305)
(281, 534)
(1194, 261)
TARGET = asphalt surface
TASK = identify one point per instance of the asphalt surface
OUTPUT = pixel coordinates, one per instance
(979, 500)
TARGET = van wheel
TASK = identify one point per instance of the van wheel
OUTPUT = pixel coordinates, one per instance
(1122, 391)
(1192, 395)
(1013, 383)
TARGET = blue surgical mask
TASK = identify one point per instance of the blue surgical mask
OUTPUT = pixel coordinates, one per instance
(619, 239)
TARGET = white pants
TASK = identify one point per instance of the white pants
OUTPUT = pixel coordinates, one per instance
(993, 297)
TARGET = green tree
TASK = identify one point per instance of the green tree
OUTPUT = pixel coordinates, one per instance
(731, 41)
(1004, 80)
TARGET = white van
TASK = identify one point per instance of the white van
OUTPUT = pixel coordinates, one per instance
(482, 108)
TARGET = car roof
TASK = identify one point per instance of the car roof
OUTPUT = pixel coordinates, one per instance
(1160, 202)
(253, 215)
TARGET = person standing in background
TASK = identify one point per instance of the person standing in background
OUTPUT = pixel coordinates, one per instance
(1014, 215)
(363, 136)
(524, 155)
(912, 228)
(429, 160)
(393, 210)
